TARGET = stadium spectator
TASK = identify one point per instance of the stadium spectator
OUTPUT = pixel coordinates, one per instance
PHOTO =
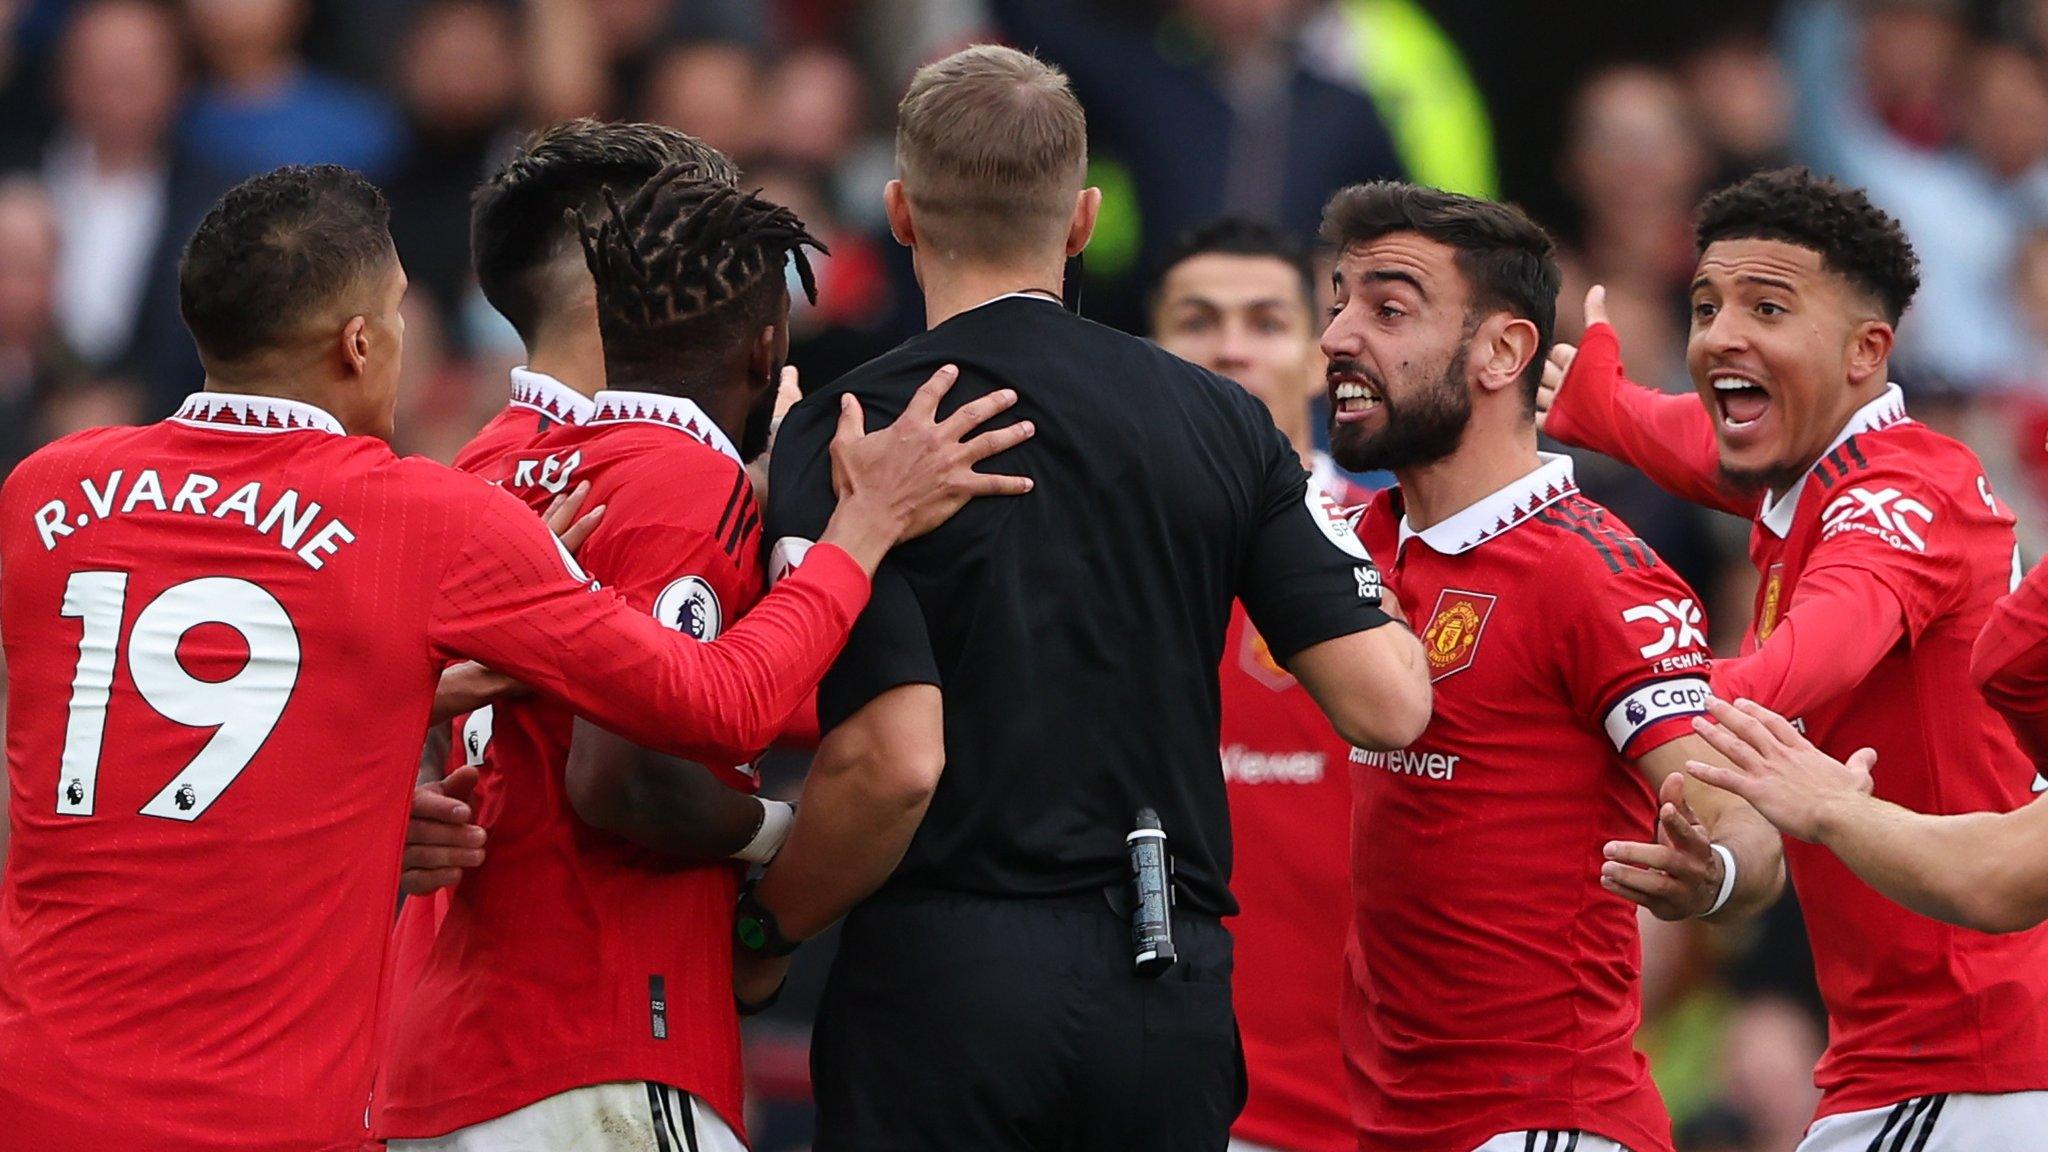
(261, 105)
(713, 91)
(1742, 102)
(35, 362)
(109, 170)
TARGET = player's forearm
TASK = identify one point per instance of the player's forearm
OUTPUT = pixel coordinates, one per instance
(866, 793)
(1980, 870)
(2010, 663)
(1842, 623)
(661, 803)
(1668, 438)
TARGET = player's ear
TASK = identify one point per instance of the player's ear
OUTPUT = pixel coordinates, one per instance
(764, 361)
(355, 343)
(1081, 229)
(1505, 345)
(897, 204)
(1870, 348)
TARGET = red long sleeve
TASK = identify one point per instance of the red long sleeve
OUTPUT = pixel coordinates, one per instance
(509, 599)
(1670, 439)
(1841, 623)
(2010, 662)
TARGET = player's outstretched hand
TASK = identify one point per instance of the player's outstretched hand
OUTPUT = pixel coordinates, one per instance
(1776, 769)
(1679, 876)
(904, 480)
(1558, 364)
(439, 840)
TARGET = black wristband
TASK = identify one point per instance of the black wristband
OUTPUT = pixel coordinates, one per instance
(755, 929)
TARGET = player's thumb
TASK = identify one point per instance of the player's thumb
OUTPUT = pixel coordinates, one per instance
(1596, 305)
(1864, 761)
(461, 783)
(851, 426)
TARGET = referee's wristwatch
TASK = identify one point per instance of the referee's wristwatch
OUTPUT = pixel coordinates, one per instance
(755, 929)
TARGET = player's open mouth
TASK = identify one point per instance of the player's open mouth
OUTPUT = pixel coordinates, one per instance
(1741, 400)
(1352, 399)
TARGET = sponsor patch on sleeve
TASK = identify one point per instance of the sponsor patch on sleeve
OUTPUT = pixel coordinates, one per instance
(690, 606)
(785, 556)
(1653, 703)
(1338, 524)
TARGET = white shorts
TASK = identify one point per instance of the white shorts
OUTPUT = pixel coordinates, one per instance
(1956, 1122)
(627, 1116)
(1549, 1141)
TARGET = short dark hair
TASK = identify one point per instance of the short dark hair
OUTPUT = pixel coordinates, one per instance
(685, 269)
(1856, 239)
(1238, 236)
(519, 217)
(1509, 262)
(276, 248)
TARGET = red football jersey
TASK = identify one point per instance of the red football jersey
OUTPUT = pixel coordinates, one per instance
(252, 609)
(539, 402)
(1494, 986)
(632, 980)
(1290, 829)
(1895, 522)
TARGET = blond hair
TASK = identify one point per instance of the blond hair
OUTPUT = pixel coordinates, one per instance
(992, 147)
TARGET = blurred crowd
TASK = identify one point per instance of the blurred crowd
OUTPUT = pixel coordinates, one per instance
(121, 120)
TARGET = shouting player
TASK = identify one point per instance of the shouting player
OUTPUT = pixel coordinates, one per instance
(616, 1017)
(247, 605)
(1494, 986)
(1881, 550)
(1237, 298)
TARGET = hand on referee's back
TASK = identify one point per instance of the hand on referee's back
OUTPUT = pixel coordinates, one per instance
(904, 480)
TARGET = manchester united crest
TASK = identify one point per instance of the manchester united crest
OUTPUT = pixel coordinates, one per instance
(1774, 593)
(1258, 662)
(1452, 638)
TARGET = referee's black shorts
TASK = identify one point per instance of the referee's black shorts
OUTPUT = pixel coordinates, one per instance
(955, 1022)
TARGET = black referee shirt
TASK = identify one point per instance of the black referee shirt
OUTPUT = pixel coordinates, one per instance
(1075, 632)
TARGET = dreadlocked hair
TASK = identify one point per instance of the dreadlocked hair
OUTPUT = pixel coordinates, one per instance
(688, 269)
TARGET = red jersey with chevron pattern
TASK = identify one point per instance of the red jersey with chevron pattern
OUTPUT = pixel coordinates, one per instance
(1877, 573)
(223, 633)
(632, 978)
(1493, 985)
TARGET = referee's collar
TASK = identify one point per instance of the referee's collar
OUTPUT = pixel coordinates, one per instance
(549, 397)
(1494, 514)
(618, 406)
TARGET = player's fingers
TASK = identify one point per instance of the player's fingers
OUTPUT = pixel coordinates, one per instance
(852, 425)
(1864, 762)
(1684, 833)
(787, 391)
(429, 803)
(1560, 358)
(1726, 779)
(423, 881)
(1662, 895)
(1654, 857)
(577, 533)
(426, 832)
(1596, 305)
(1753, 732)
(1728, 743)
(461, 783)
(975, 413)
(1001, 440)
(1776, 725)
(994, 484)
(562, 513)
(924, 405)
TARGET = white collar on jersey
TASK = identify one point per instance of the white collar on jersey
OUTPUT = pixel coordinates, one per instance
(1888, 409)
(234, 412)
(1491, 515)
(618, 406)
(1029, 294)
(549, 396)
